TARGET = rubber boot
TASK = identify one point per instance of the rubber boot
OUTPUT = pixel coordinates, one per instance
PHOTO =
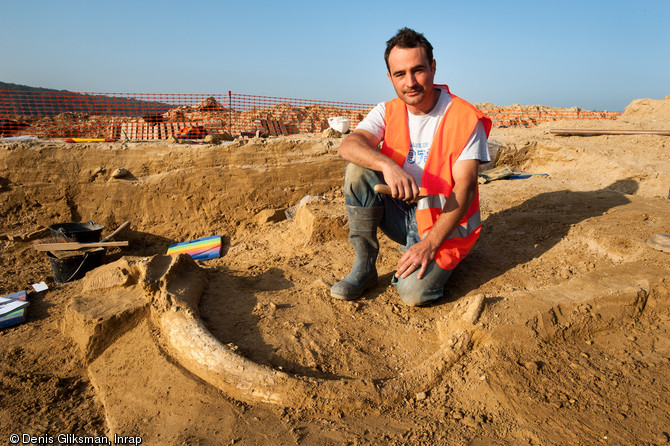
(363, 222)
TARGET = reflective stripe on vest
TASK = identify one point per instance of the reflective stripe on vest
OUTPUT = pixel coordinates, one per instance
(451, 137)
(466, 227)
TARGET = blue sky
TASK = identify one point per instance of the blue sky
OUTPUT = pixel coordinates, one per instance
(597, 55)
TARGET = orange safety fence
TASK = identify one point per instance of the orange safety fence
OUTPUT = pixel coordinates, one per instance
(56, 114)
(144, 116)
(503, 117)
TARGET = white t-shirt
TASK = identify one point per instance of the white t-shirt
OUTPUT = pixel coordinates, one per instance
(422, 129)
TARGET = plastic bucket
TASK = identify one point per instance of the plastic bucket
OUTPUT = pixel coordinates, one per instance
(339, 123)
(75, 267)
(78, 232)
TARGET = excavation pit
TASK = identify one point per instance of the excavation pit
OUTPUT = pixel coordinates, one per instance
(573, 330)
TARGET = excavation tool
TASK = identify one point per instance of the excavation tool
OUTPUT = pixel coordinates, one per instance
(385, 189)
(75, 246)
(116, 232)
(63, 244)
(594, 132)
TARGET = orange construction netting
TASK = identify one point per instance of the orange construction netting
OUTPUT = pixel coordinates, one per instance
(532, 116)
(141, 116)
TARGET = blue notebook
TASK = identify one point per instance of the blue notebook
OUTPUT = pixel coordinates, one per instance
(13, 309)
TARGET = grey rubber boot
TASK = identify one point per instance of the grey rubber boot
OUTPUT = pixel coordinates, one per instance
(363, 222)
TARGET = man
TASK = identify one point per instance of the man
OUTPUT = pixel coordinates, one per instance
(433, 143)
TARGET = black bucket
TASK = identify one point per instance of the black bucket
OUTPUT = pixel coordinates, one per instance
(77, 232)
(75, 267)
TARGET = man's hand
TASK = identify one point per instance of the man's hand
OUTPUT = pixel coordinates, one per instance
(360, 148)
(417, 257)
(403, 185)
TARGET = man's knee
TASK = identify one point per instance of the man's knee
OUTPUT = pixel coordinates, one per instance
(359, 185)
(415, 294)
(418, 299)
(355, 175)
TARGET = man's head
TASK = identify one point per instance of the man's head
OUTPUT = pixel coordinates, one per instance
(408, 38)
(411, 69)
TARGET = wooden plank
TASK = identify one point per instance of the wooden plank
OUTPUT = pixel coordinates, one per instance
(274, 126)
(75, 246)
(265, 126)
(584, 132)
(133, 130)
(112, 131)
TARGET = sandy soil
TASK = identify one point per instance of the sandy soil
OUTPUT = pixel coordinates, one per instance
(572, 346)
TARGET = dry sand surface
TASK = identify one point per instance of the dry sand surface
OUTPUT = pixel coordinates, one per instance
(555, 330)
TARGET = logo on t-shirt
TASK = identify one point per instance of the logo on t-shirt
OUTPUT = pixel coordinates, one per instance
(418, 153)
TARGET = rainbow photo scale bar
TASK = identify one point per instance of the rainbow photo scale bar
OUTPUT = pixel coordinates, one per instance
(200, 249)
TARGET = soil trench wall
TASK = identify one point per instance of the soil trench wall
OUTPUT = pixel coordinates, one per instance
(173, 190)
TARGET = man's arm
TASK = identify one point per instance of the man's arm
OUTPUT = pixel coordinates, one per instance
(465, 189)
(360, 148)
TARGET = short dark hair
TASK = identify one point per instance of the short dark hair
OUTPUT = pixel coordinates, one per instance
(408, 38)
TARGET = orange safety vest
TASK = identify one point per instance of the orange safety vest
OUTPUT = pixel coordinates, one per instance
(437, 182)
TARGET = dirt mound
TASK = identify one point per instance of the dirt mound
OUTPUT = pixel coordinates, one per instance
(570, 346)
(653, 110)
(488, 106)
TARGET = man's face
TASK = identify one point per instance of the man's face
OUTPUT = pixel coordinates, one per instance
(411, 74)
